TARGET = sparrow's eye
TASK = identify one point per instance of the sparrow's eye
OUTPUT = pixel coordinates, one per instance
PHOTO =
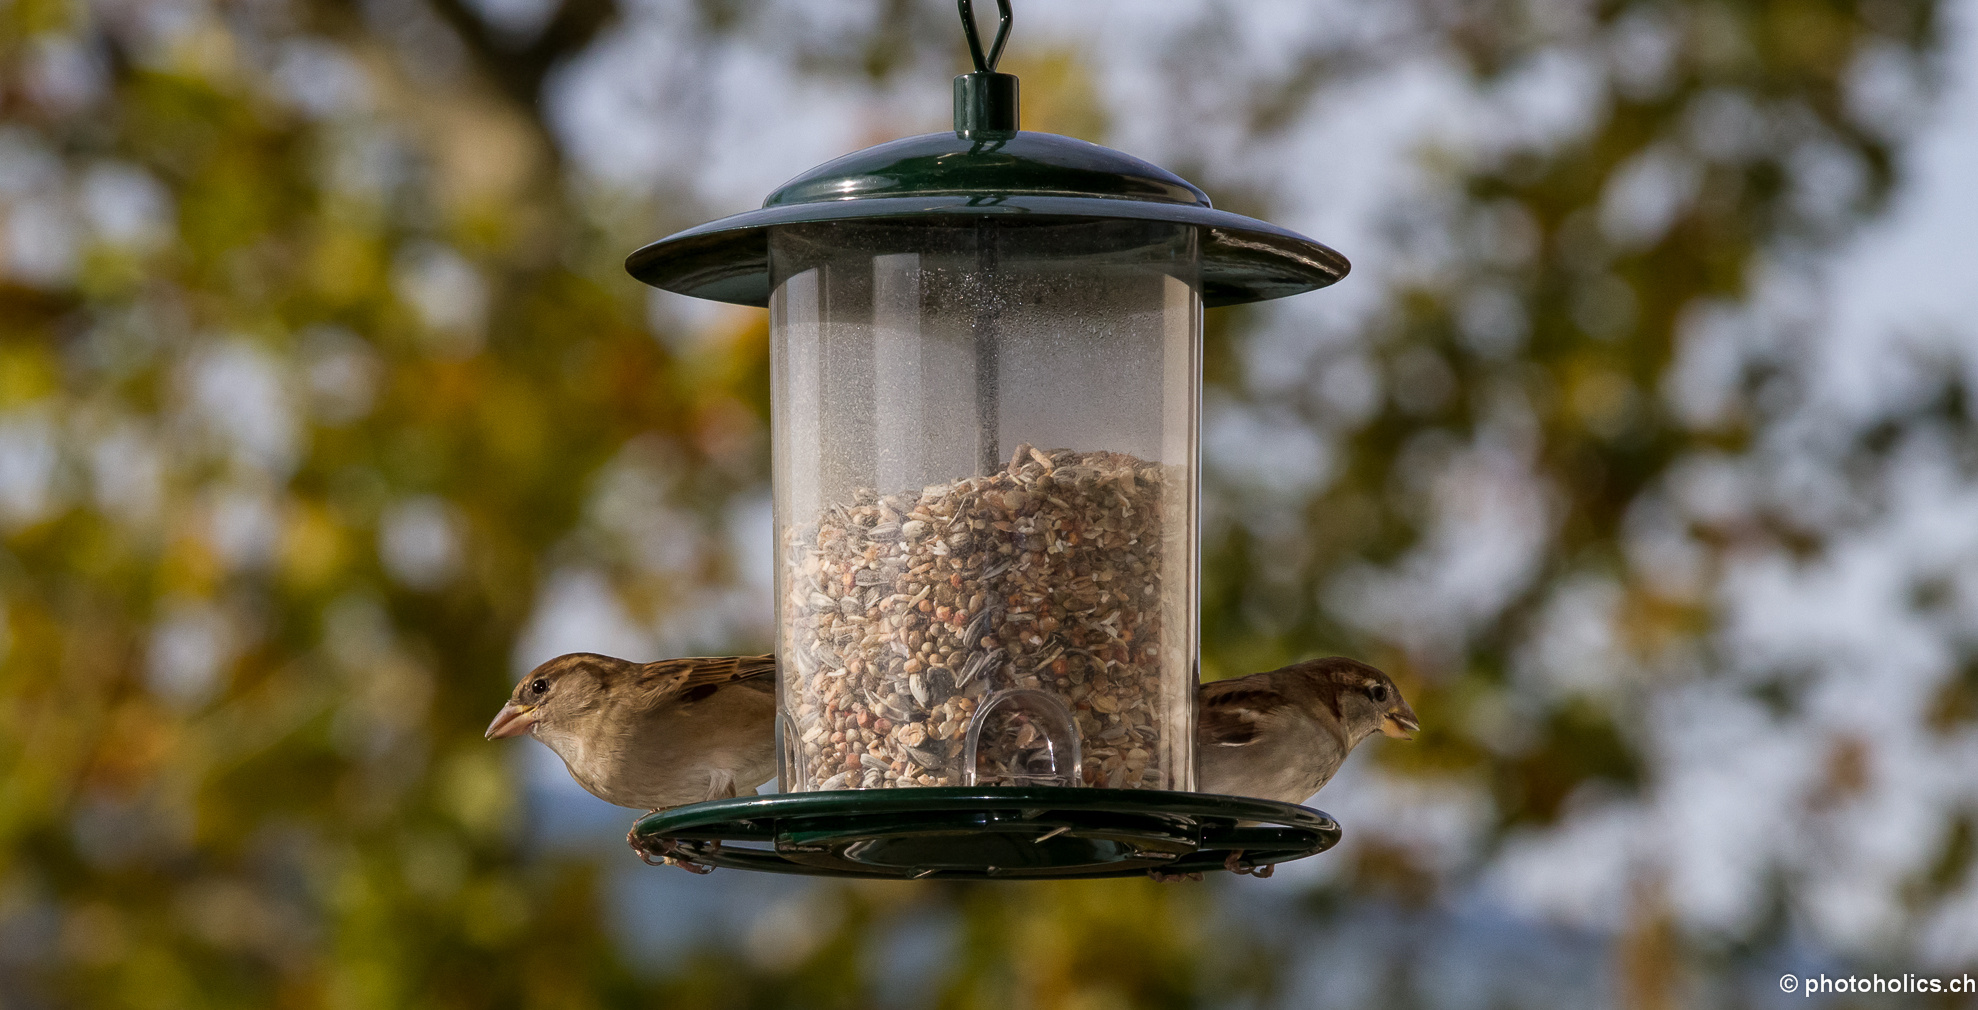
(1378, 693)
(538, 686)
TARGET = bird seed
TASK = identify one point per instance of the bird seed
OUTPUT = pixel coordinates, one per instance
(1035, 591)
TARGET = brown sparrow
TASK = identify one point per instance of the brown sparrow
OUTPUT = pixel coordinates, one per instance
(1281, 735)
(652, 735)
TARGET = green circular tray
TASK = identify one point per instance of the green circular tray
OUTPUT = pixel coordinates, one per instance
(999, 833)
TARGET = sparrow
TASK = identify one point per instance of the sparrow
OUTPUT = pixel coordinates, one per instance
(1282, 735)
(652, 735)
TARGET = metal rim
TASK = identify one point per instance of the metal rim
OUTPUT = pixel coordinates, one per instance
(997, 833)
(1243, 259)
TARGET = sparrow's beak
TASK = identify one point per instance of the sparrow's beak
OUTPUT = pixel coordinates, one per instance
(512, 720)
(1401, 723)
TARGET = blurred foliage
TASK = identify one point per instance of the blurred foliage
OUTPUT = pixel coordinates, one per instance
(1553, 333)
(325, 368)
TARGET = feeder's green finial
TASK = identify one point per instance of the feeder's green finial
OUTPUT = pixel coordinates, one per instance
(985, 101)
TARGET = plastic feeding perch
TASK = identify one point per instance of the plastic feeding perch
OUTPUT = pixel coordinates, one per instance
(986, 390)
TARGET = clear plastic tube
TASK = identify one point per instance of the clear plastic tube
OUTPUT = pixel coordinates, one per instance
(985, 445)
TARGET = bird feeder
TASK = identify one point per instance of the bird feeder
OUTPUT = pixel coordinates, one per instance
(986, 367)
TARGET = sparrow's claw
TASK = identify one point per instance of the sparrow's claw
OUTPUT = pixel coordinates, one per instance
(704, 850)
(1234, 863)
(1166, 877)
(646, 855)
(669, 853)
(690, 866)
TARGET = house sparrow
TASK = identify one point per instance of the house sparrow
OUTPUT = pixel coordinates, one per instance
(1281, 735)
(652, 735)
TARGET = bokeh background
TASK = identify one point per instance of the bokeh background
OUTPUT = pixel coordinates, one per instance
(1639, 446)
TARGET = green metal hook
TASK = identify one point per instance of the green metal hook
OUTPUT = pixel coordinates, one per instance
(987, 66)
(985, 101)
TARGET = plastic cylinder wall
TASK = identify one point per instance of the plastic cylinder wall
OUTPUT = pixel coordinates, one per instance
(985, 458)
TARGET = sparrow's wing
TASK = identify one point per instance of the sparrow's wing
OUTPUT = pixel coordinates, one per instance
(685, 681)
(1235, 713)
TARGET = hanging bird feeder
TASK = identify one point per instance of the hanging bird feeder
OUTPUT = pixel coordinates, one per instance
(986, 373)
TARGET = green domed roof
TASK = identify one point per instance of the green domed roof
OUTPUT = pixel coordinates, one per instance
(1017, 164)
(1016, 176)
